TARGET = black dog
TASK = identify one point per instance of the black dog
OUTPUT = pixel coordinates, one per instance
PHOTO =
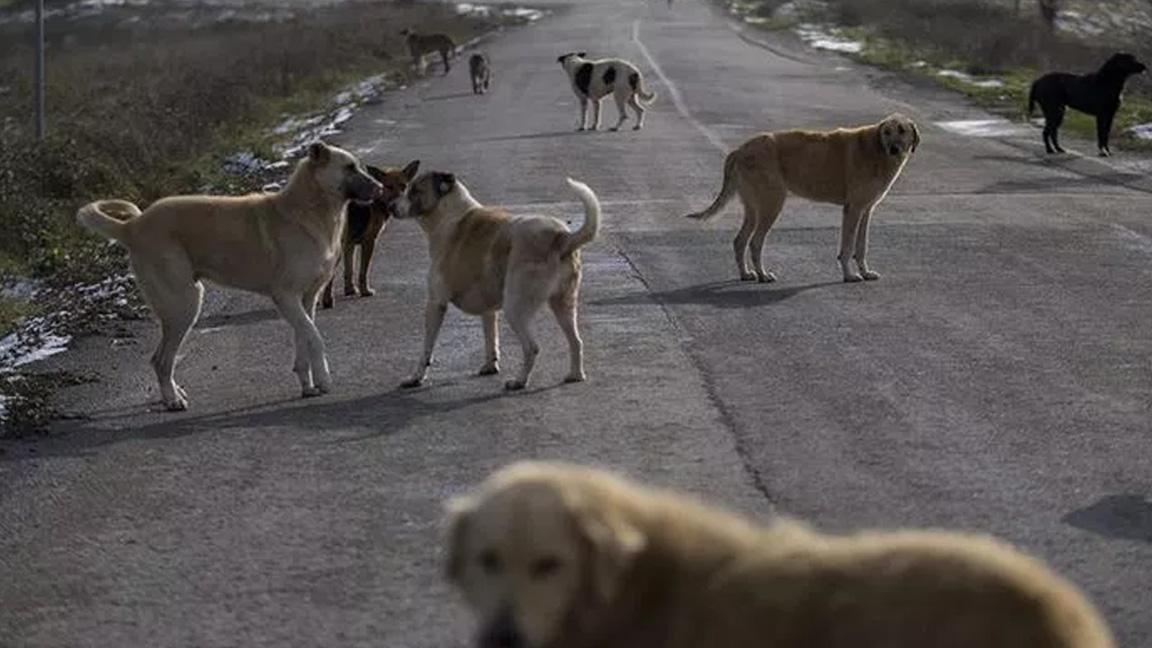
(1097, 94)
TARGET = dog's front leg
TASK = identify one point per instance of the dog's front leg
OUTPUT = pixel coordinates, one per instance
(596, 105)
(367, 249)
(848, 229)
(583, 114)
(349, 261)
(491, 344)
(1103, 130)
(311, 357)
(433, 318)
(862, 246)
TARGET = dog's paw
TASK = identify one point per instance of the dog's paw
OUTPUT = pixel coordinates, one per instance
(1105, 153)
(350, 291)
(313, 392)
(614, 129)
(326, 304)
(747, 276)
(365, 291)
(638, 127)
(178, 405)
(575, 378)
(870, 275)
(412, 383)
(489, 370)
(767, 277)
(853, 278)
(514, 385)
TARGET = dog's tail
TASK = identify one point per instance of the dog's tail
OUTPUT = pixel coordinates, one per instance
(1032, 100)
(591, 226)
(727, 190)
(109, 218)
(641, 88)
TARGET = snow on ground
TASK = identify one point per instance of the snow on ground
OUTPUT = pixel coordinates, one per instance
(1143, 131)
(984, 127)
(827, 38)
(488, 11)
(971, 80)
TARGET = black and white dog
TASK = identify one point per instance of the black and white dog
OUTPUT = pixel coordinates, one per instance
(594, 80)
(1097, 94)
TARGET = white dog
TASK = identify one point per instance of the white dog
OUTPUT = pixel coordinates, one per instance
(594, 80)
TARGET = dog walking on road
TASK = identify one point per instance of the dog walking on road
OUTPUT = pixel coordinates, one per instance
(420, 45)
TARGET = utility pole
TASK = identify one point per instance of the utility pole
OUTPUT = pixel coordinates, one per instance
(41, 121)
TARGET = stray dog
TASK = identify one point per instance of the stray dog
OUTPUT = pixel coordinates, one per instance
(1096, 94)
(365, 222)
(560, 556)
(849, 167)
(283, 245)
(484, 260)
(594, 80)
(421, 44)
(481, 73)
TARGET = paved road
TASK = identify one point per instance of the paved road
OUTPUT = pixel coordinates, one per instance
(999, 378)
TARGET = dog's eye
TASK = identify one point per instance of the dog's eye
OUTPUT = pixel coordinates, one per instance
(545, 567)
(489, 562)
(900, 130)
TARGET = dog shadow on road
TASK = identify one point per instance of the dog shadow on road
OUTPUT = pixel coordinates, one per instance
(530, 136)
(454, 95)
(1123, 517)
(724, 294)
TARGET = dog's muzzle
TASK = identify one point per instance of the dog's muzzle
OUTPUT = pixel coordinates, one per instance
(363, 190)
(501, 633)
(401, 208)
(894, 150)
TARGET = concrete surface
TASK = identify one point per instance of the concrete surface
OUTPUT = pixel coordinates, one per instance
(998, 378)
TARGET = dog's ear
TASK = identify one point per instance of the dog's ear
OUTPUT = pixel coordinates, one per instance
(410, 170)
(318, 152)
(444, 183)
(460, 511)
(611, 543)
(915, 136)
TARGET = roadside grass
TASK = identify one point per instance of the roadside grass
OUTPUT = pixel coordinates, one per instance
(984, 39)
(139, 109)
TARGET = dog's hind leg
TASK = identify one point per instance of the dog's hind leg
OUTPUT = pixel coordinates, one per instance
(176, 302)
(621, 103)
(597, 104)
(327, 300)
(849, 227)
(639, 109)
(563, 306)
(491, 344)
(862, 246)
(1053, 119)
(583, 114)
(767, 212)
(367, 249)
(521, 302)
(311, 364)
(740, 244)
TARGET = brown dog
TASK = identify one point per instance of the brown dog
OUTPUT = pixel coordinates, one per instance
(560, 556)
(851, 167)
(365, 223)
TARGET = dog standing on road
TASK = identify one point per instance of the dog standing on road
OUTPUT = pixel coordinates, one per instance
(283, 245)
(365, 222)
(485, 260)
(420, 45)
(853, 168)
(553, 555)
(1096, 94)
(594, 80)
(481, 72)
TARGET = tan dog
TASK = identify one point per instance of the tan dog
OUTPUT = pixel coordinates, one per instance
(853, 168)
(484, 260)
(559, 556)
(283, 245)
(364, 225)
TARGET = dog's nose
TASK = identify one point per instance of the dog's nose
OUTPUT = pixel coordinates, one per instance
(502, 633)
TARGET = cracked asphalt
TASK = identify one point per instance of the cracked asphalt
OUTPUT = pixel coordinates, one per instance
(998, 379)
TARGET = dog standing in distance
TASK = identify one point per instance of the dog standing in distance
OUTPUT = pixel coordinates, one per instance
(365, 222)
(560, 556)
(1096, 94)
(481, 72)
(853, 168)
(485, 260)
(421, 44)
(283, 245)
(594, 80)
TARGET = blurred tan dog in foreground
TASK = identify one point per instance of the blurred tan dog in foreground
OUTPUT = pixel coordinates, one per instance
(561, 556)
(283, 244)
(851, 167)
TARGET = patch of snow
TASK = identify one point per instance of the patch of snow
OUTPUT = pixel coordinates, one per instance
(971, 80)
(1142, 131)
(983, 127)
(827, 38)
(33, 341)
(19, 289)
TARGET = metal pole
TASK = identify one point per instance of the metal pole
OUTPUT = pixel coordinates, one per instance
(41, 122)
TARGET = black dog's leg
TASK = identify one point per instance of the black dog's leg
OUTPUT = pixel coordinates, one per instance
(1103, 131)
